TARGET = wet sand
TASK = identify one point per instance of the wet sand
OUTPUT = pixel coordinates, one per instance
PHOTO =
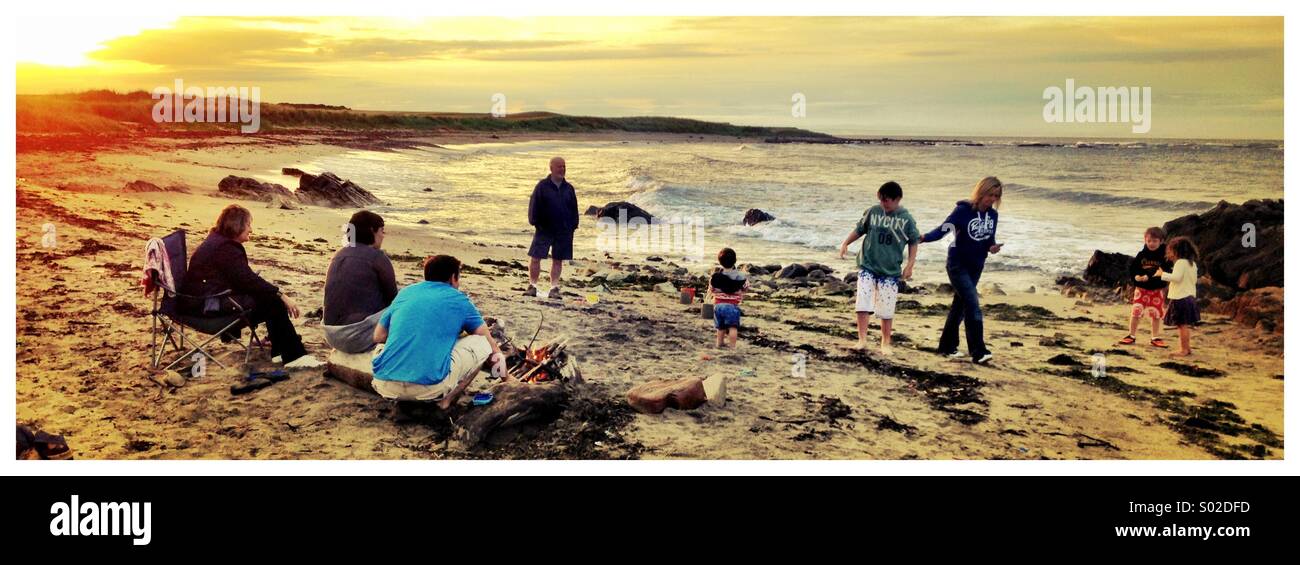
(83, 347)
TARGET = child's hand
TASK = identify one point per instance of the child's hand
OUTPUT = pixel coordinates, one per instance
(1140, 278)
(995, 248)
(1160, 272)
(907, 272)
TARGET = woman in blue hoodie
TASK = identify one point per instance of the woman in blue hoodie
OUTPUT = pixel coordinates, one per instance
(974, 224)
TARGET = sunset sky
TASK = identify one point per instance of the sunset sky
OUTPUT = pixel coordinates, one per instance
(1211, 77)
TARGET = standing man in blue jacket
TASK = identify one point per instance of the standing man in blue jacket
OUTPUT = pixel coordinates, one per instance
(553, 211)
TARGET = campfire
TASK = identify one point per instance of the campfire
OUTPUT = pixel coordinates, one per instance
(545, 363)
(539, 365)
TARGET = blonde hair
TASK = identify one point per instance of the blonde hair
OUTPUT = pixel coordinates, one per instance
(985, 187)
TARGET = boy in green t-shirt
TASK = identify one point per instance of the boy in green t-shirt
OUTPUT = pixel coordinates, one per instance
(888, 227)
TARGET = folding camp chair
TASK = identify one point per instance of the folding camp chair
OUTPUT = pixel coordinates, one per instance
(169, 323)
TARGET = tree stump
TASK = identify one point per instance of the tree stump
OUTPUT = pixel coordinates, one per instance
(513, 403)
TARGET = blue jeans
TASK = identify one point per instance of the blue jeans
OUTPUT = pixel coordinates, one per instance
(965, 308)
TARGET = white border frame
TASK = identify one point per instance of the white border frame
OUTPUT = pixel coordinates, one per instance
(85, 8)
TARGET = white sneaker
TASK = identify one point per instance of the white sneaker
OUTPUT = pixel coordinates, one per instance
(304, 362)
(275, 359)
(955, 355)
(984, 359)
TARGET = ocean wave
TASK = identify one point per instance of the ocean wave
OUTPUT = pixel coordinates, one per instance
(1103, 199)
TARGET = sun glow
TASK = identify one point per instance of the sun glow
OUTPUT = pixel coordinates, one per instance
(67, 41)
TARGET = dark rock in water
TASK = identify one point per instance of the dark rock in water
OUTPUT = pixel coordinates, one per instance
(245, 188)
(851, 277)
(591, 211)
(818, 267)
(944, 288)
(753, 269)
(1260, 308)
(792, 271)
(817, 275)
(327, 189)
(630, 210)
(292, 172)
(1219, 236)
(756, 216)
(1107, 269)
(422, 222)
(427, 189)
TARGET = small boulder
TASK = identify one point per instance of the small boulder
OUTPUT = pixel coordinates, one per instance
(279, 202)
(792, 271)
(756, 216)
(623, 211)
(1107, 269)
(654, 397)
(141, 186)
(666, 288)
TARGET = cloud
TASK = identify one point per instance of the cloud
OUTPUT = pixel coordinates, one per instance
(199, 46)
(384, 49)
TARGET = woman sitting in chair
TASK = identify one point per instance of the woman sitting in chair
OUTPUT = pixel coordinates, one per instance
(220, 263)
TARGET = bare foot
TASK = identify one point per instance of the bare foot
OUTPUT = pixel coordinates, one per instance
(1181, 353)
(861, 345)
(886, 350)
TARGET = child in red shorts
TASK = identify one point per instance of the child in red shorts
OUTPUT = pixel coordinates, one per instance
(1148, 289)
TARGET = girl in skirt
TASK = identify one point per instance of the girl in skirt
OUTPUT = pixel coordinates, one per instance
(1182, 311)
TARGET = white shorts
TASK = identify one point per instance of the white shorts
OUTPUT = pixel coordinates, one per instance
(467, 357)
(877, 295)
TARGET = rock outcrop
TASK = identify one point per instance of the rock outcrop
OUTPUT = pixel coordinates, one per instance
(327, 189)
(245, 188)
(1224, 237)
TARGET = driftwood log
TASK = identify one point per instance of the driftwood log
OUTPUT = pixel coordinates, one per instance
(353, 369)
(514, 403)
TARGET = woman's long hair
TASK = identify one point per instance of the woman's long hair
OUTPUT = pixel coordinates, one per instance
(234, 219)
(985, 187)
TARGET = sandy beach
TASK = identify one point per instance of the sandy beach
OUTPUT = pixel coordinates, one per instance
(83, 345)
